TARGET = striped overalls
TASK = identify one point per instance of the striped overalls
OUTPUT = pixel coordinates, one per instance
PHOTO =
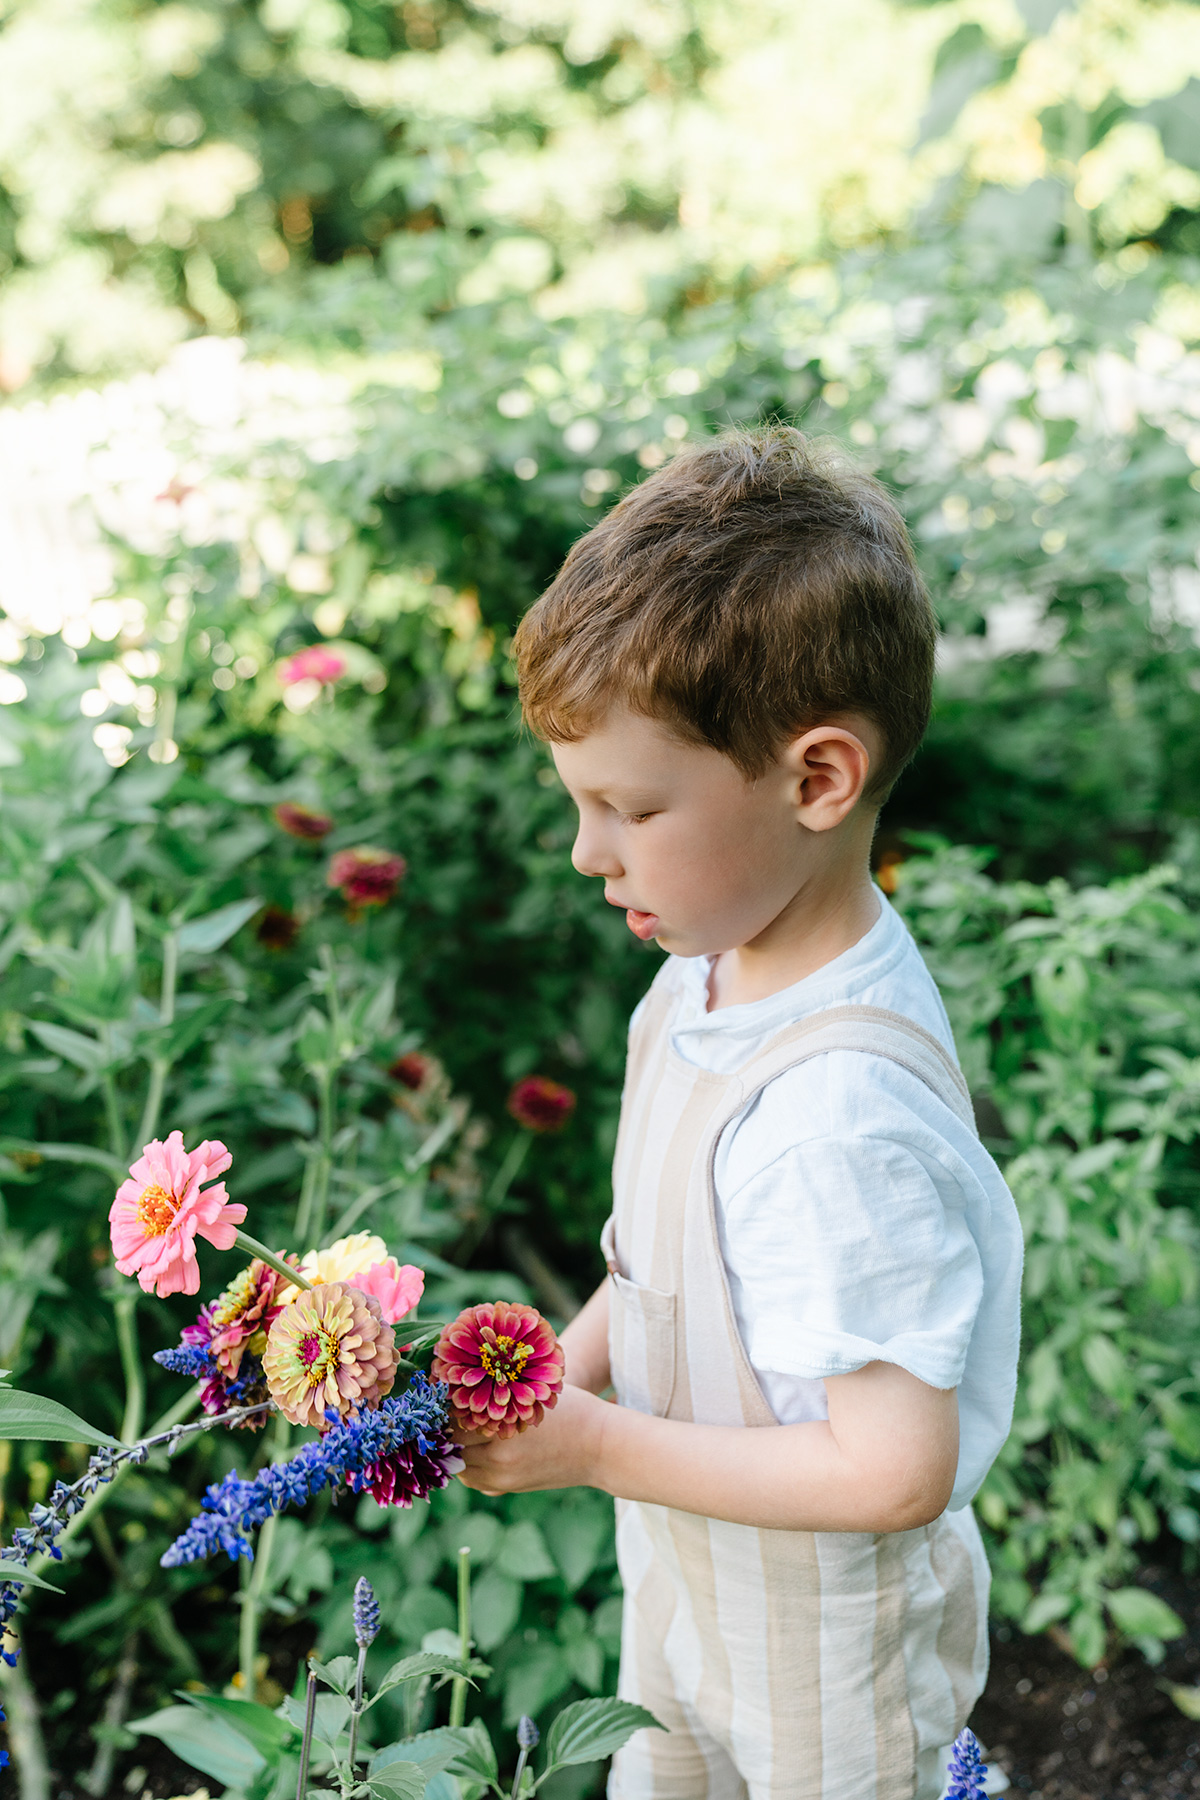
(787, 1665)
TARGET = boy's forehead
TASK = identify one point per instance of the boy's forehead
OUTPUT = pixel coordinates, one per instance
(622, 746)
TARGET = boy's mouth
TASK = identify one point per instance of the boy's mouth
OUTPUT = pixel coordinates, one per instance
(642, 924)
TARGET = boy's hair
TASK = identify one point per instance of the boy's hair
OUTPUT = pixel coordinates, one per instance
(754, 587)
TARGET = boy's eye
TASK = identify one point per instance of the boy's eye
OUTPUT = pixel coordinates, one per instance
(635, 818)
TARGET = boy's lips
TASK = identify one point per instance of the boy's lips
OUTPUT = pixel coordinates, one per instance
(643, 925)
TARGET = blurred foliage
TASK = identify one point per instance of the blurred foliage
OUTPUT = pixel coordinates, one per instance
(493, 263)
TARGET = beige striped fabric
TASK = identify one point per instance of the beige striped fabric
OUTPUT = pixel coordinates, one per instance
(787, 1665)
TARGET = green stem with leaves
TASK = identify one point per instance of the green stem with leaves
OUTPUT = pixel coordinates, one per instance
(112, 1100)
(125, 1308)
(509, 1169)
(458, 1693)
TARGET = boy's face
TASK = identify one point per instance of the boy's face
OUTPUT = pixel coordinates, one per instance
(701, 858)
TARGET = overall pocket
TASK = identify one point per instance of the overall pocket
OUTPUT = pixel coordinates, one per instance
(641, 1340)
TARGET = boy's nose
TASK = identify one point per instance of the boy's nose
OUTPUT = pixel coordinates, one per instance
(590, 855)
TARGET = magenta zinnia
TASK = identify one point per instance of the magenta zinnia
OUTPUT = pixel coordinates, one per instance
(503, 1366)
(366, 876)
(540, 1104)
(329, 1348)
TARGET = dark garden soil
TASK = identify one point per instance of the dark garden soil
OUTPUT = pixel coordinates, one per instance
(1066, 1733)
(1062, 1732)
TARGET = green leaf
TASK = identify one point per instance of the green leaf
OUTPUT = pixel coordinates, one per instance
(398, 1781)
(591, 1729)
(495, 1607)
(88, 1155)
(523, 1554)
(205, 1742)
(337, 1674)
(476, 1759)
(1186, 1699)
(1045, 1610)
(18, 1574)
(434, 1750)
(264, 1729)
(411, 1668)
(85, 1052)
(45, 1421)
(199, 937)
(1140, 1614)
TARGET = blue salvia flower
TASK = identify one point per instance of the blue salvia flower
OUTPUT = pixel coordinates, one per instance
(233, 1507)
(528, 1735)
(366, 1613)
(967, 1769)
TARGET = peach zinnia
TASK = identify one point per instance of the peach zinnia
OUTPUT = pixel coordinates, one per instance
(164, 1205)
(329, 1348)
(503, 1366)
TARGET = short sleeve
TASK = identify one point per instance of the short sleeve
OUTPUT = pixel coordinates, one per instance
(845, 1251)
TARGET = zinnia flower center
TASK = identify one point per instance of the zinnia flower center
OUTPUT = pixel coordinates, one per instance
(505, 1359)
(156, 1209)
(236, 1298)
(319, 1354)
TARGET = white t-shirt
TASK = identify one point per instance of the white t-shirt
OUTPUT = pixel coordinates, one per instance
(860, 1220)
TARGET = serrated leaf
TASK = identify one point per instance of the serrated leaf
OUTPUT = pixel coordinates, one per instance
(591, 1729)
(338, 1673)
(411, 1668)
(204, 1742)
(398, 1781)
(476, 1758)
(1140, 1614)
(199, 937)
(433, 1750)
(32, 1416)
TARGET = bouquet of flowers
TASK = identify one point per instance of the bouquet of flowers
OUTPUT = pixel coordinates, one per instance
(312, 1338)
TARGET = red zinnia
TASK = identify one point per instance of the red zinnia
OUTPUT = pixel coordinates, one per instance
(412, 1071)
(314, 663)
(541, 1104)
(301, 821)
(277, 929)
(367, 877)
(503, 1366)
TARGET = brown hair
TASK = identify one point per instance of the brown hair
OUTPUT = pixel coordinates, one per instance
(754, 587)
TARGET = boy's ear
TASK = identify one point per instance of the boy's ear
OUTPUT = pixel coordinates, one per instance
(828, 767)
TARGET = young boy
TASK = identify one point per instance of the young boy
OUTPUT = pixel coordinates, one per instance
(811, 1312)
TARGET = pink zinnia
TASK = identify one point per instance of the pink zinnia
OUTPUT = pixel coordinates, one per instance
(366, 876)
(301, 821)
(315, 663)
(396, 1286)
(503, 1366)
(329, 1348)
(158, 1212)
(540, 1104)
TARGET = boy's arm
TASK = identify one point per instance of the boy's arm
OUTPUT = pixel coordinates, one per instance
(883, 1461)
(586, 1344)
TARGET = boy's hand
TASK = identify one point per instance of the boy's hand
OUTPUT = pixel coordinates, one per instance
(563, 1451)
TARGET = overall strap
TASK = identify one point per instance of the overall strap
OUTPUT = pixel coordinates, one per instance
(871, 1031)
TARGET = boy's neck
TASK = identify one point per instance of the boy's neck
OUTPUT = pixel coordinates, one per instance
(829, 914)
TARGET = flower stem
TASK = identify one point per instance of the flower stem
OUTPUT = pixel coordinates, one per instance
(520, 1770)
(509, 1169)
(310, 1719)
(251, 1247)
(124, 1306)
(458, 1693)
(324, 1160)
(356, 1708)
(256, 1581)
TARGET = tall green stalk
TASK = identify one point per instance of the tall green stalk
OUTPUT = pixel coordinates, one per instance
(255, 1580)
(124, 1307)
(458, 1693)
